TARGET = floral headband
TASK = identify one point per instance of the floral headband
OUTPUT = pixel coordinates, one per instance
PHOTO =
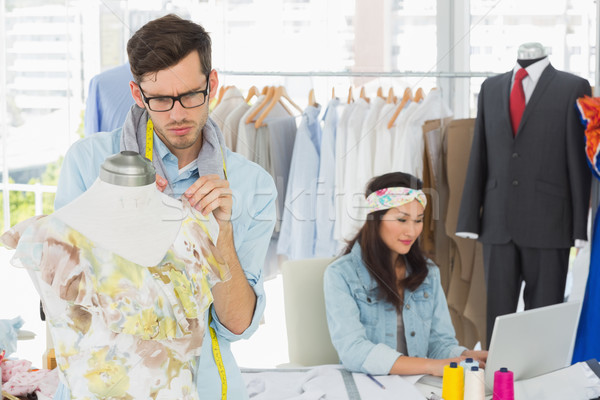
(384, 199)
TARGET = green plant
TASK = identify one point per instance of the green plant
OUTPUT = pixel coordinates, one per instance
(22, 204)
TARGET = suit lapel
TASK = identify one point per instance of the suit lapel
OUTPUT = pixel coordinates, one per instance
(537, 94)
(506, 99)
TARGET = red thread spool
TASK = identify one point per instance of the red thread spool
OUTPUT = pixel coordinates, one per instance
(504, 388)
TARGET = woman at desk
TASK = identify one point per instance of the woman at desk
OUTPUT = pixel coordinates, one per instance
(386, 310)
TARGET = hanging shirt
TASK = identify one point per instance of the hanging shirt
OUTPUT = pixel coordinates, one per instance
(382, 162)
(366, 146)
(246, 132)
(274, 149)
(246, 143)
(120, 329)
(232, 123)
(340, 162)
(366, 150)
(431, 108)
(109, 100)
(231, 99)
(399, 161)
(326, 245)
(298, 227)
(353, 190)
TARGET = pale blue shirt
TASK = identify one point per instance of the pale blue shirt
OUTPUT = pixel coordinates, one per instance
(253, 218)
(109, 100)
(363, 327)
(298, 226)
(326, 245)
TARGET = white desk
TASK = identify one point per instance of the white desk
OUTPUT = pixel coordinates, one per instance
(327, 382)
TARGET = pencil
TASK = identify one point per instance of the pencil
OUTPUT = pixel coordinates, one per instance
(376, 381)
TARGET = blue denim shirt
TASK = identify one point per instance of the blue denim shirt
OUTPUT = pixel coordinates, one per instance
(253, 218)
(364, 327)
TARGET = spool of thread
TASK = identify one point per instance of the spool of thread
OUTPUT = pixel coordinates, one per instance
(468, 363)
(504, 387)
(453, 382)
(474, 384)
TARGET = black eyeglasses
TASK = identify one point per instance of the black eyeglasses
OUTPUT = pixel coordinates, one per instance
(166, 103)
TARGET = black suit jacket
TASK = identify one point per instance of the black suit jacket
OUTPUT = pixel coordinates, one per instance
(533, 188)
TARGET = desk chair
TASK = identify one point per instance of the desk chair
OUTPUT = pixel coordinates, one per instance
(309, 342)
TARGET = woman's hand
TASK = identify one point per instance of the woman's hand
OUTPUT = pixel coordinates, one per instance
(437, 366)
(479, 355)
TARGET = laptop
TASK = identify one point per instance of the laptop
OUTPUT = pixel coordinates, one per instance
(530, 343)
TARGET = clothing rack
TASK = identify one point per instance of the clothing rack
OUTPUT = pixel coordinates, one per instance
(432, 74)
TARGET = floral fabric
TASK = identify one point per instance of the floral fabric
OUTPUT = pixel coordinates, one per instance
(121, 330)
(384, 199)
(589, 109)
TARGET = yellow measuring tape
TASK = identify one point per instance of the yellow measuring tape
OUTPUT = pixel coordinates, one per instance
(216, 350)
(149, 139)
(217, 355)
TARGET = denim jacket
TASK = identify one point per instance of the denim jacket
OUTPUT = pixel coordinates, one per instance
(363, 327)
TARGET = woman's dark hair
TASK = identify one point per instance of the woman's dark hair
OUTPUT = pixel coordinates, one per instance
(375, 253)
(164, 42)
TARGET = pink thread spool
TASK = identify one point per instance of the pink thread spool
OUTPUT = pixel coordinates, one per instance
(504, 388)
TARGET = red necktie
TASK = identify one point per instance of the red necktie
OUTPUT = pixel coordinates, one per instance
(517, 100)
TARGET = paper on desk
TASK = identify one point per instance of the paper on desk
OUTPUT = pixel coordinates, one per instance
(412, 379)
(396, 387)
(324, 383)
(577, 382)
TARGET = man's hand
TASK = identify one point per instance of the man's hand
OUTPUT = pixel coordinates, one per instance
(234, 300)
(211, 193)
(161, 183)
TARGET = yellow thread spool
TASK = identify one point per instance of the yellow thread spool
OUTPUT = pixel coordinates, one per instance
(453, 383)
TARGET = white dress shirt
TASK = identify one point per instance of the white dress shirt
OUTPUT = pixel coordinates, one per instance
(534, 71)
(340, 159)
(353, 190)
(384, 138)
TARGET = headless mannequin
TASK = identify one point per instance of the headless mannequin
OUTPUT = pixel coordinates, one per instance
(132, 218)
(530, 53)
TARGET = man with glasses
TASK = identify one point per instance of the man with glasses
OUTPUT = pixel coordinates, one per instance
(170, 61)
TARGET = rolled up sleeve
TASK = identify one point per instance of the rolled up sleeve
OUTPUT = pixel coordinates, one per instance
(253, 221)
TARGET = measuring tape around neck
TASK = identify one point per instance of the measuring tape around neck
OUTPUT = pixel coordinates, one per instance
(150, 145)
(149, 139)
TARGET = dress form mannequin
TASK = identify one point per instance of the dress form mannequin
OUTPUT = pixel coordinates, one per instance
(123, 211)
(530, 53)
(125, 275)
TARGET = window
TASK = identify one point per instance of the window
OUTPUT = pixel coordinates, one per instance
(566, 28)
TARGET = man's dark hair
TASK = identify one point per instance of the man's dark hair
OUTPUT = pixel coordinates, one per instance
(164, 42)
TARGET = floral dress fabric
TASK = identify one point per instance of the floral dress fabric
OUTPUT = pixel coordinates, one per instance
(121, 330)
(587, 345)
(589, 109)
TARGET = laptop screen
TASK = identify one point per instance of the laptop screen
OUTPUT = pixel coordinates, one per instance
(533, 342)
